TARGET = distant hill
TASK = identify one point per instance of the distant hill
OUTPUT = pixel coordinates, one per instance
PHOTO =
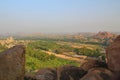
(104, 35)
(82, 36)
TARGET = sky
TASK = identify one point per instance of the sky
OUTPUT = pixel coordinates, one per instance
(59, 16)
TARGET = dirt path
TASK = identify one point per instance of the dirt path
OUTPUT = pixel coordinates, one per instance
(78, 59)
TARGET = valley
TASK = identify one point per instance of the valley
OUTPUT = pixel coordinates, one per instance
(57, 50)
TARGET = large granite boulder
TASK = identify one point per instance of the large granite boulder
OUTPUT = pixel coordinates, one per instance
(69, 72)
(92, 63)
(113, 55)
(98, 74)
(12, 63)
(46, 74)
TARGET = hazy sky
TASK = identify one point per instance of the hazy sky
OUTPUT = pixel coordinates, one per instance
(51, 16)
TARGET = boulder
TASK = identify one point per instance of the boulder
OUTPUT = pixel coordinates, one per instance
(113, 55)
(46, 74)
(92, 63)
(29, 78)
(98, 74)
(69, 72)
(12, 63)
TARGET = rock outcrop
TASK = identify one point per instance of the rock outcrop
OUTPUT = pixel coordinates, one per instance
(98, 74)
(113, 55)
(112, 71)
(12, 63)
(103, 35)
(67, 72)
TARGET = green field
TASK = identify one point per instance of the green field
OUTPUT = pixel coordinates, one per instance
(36, 59)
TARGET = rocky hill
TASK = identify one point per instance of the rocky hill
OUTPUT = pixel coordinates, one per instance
(104, 35)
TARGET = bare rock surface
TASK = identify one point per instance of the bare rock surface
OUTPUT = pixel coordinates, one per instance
(12, 63)
(113, 55)
(98, 74)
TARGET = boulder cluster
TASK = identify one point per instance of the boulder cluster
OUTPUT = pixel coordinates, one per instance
(12, 67)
